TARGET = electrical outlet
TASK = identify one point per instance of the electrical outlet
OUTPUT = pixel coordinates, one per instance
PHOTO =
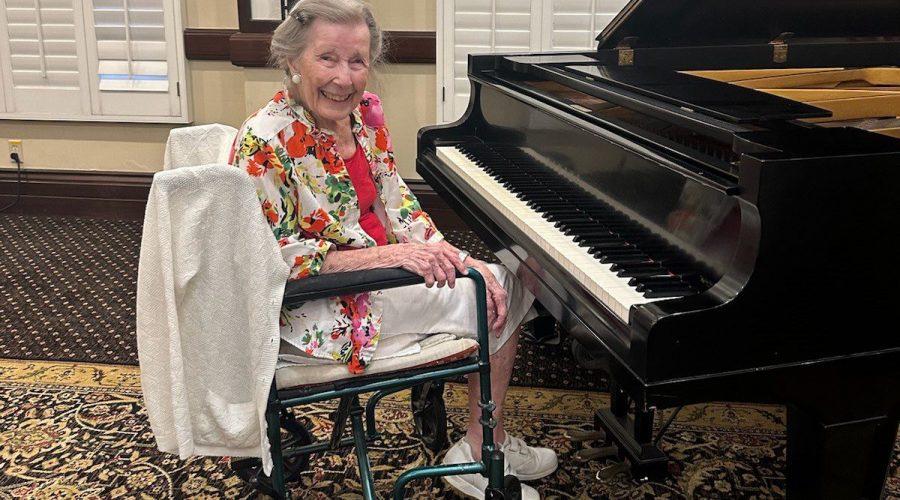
(15, 146)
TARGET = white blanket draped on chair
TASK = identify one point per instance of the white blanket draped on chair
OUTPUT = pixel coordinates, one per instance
(210, 285)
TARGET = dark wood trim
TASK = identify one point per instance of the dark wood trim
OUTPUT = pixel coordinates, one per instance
(251, 49)
(123, 195)
(104, 195)
(411, 47)
(207, 44)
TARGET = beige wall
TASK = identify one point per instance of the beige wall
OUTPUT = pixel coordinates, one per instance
(223, 93)
(210, 14)
(406, 15)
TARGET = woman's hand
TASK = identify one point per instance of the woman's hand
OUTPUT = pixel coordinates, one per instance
(496, 296)
(437, 262)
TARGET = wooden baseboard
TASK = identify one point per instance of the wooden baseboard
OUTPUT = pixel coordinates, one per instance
(102, 195)
(123, 195)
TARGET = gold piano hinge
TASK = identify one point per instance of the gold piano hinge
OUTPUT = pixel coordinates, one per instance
(780, 48)
(626, 51)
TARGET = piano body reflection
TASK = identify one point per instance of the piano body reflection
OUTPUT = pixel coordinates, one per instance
(695, 227)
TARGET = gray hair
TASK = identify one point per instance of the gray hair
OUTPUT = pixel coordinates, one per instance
(290, 38)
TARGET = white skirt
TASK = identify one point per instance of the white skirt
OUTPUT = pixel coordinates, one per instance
(411, 313)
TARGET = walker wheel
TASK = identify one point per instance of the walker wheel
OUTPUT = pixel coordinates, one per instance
(430, 414)
(512, 490)
(292, 434)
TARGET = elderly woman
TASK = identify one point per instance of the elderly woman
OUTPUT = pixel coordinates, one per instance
(320, 155)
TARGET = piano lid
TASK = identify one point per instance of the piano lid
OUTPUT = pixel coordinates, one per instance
(703, 23)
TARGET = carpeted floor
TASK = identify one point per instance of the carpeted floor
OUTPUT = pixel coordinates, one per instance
(72, 421)
(68, 289)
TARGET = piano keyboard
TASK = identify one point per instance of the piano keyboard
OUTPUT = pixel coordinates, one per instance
(608, 254)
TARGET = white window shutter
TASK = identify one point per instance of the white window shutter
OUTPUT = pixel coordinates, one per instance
(132, 49)
(2, 87)
(480, 26)
(42, 50)
(574, 24)
(477, 27)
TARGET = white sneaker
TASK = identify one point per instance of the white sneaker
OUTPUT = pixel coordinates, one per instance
(473, 485)
(528, 462)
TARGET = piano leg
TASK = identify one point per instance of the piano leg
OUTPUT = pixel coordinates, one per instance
(838, 460)
(632, 435)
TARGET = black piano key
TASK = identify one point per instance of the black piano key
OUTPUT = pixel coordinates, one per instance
(547, 200)
(662, 294)
(575, 226)
(623, 249)
(622, 259)
(582, 236)
(596, 245)
(573, 217)
(595, 231)
(548, 206)
(655, 280)
(662, 285)
(626, 272)
(599, 235)
(574, 214)
(599, 242)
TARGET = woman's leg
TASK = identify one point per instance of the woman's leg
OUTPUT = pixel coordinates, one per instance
(501, 372)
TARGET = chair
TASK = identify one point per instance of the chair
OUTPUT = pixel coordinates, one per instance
(198, 145)
(187, 315)
(423, 373)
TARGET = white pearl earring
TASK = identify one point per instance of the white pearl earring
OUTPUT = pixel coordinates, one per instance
(295, 78)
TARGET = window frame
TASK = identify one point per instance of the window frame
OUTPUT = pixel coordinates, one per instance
(89, 93)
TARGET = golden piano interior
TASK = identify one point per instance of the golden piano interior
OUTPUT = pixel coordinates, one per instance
(867, 98)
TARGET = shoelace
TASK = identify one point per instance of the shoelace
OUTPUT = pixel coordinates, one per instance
(516, 445)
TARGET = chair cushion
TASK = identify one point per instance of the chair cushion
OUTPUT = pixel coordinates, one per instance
(436, 350)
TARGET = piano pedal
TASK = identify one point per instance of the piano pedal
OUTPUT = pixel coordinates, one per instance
(542, 330)
(587, 359)
(582, 436)
(588, 454)
(610, 471)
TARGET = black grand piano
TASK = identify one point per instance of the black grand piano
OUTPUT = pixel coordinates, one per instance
(698, 237)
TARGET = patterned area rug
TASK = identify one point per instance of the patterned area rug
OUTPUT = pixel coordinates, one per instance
(80, 430)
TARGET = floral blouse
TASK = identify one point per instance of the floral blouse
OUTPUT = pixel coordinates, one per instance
(309, 201)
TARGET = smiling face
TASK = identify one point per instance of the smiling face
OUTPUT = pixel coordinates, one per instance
(334, 70)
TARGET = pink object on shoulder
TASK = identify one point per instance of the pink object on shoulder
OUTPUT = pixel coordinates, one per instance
(372, 113)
